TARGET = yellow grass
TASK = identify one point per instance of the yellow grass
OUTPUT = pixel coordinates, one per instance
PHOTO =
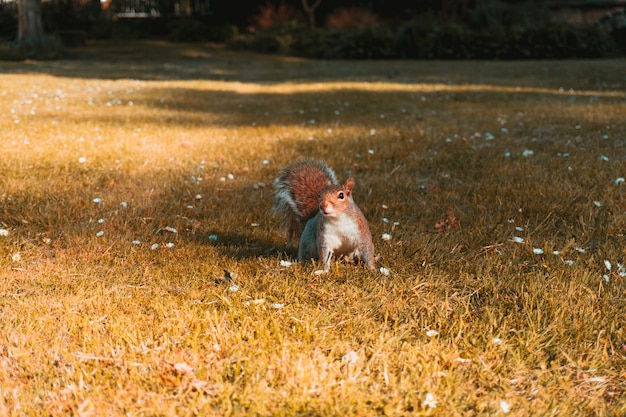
(180, 144)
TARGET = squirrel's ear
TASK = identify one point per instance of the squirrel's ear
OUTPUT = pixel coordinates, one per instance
(349, 185)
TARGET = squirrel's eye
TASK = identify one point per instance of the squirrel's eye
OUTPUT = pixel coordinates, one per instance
(340, 196)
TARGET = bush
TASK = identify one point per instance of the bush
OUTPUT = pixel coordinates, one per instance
(44, 48)
(360, 43)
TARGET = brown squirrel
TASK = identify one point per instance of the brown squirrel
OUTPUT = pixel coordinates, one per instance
(315, 206)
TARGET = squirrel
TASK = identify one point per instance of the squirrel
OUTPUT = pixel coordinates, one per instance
(314, 205)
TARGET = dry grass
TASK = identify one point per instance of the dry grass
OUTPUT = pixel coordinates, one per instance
(468, 322)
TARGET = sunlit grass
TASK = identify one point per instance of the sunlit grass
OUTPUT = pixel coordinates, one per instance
(141, 269)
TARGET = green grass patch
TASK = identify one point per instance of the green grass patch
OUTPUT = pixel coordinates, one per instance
(140, 267)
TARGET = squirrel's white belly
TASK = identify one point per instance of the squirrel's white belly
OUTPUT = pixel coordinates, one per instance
(341, 236)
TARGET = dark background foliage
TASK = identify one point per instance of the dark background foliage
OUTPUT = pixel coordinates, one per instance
(344, 29)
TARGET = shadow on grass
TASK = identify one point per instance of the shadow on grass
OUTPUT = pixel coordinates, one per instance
(158, 60)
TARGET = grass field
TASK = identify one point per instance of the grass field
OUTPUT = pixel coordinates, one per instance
(142, 274)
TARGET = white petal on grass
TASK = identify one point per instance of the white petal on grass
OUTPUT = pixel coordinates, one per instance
(169, 245)
(230, 176)
(430, 401)
(136, 242)
(277, 306)
(170, 229)
(82, 160)
(607, 263)
(604, 158)
(372, 132)
(4, 232)
(579, 249)
(384, 271)
(528, 152)
(496, 341)
(519, 228)
(154, 246)
(619, 180)
(605, 277)
(320, 272)
(16, 257)
(385, 220)
(286, 264)
(432, 333)
(97, 200)
(568, 262)
(538, 251)
(386, 236)
(124, 204)
(505, 407)
(233, 288)
(597, 203)
(517, 239)
(198, 196)
(350, 357)
(489, 136)
(100, 221)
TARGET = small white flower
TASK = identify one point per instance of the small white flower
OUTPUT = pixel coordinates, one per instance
(320, 272)
(286, 264)
(82, 160)
(607, 263)
(266, 162)
(604, 158)
(234, 288)
(528, 152)
(100, 221)
(231, 176)
(384, 271)
(100, 233)
(169, 245)
(278, 306)
(496, 341)
(538, 251)
(507, 154)
(555, 252)
(170, 229)
(385, 220)
(371, 151)
(430, 401)
(606, 277)
(489, 136)
(432, 333)
(385, 206)
(4, 232)
(97, 200)
(505, 407)
(581, 250)
(597, 203)
(372, 132)
(136, 242)
(198, 196)
(519, 228)
(568, 262)
(386, 236)
(254, 224)
(154, 246)
(16, 257)
(517, 239)
(350, 357)
(124, 204)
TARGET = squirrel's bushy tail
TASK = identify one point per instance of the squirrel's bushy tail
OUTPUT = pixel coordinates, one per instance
(296, 193)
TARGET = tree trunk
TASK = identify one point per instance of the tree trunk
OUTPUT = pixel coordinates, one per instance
(29, 23)
(310, 10)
